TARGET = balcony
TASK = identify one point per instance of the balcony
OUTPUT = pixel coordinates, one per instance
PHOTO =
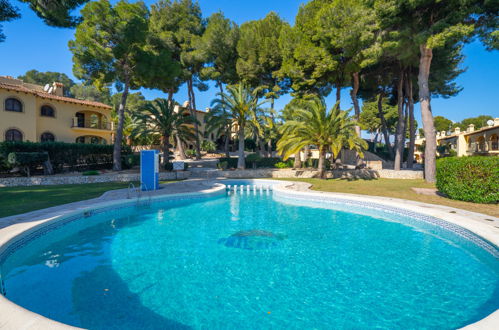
(91, 124)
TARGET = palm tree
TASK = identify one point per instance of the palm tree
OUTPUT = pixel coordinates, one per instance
(312, 124)
(218, 120)
(241, 105)
(159, 117)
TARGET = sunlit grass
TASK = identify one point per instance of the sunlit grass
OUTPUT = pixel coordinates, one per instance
(397, 188)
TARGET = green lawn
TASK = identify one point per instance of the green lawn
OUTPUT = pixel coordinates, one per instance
(396, 188)
(15, 200)
(18, 200)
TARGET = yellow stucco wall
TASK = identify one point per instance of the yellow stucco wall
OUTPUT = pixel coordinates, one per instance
(32, 124)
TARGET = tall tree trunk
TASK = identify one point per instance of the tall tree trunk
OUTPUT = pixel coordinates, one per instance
(119, 130)
(426, 114)
(297, 162)
(306, 151)
(399, 134)
(241, 164)
(227, 133)
(412, 122)
(221, 88)
(226, 144)
(170, 95)
(384, 126)
(338, 93)
(355, 101)
(261, 146)
(321, 167)
(165, 142)
(192, 109)
(180, 148)
(269, 148)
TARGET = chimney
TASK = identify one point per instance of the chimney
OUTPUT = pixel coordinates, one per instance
(58, 89)
(443, 133)
(471, 128)
(438, 134)
(208, 109)
(496, 121)
(457, 130)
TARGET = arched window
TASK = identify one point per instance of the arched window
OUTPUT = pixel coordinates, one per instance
(12, 104)
(95, 140)
(47, 137)
(13, 135)
(47, 111)
(80, 139)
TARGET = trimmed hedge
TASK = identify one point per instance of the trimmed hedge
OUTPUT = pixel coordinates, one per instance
(472, 179)
(27, 160)
(254, 160)
(73, 155)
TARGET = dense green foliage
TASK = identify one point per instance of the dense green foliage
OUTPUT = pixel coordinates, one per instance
(159, 118)
(27, 160)
(313, 124)
(254, 161)
(472, 179)
(208, 146)
(66, 156)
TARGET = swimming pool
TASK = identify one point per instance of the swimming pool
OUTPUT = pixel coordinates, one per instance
(253, 260)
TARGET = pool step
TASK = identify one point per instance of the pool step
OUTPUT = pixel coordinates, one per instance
(248, 188)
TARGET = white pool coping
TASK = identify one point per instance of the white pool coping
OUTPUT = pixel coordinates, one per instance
(13, 316)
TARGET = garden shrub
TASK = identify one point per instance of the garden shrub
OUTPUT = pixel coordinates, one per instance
(129, 161)
(231, 162)
(92, 172)
(208, 146)
(252, 159)
(258, 161)
(190, 153)
(222, 165)
(283, 164)
(27, 160)
(472, 179)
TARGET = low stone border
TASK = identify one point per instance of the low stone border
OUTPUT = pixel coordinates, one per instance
(83, 179)
(13, 316)
(306, 173)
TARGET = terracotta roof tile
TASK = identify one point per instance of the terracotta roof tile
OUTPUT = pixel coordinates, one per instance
(20, 88)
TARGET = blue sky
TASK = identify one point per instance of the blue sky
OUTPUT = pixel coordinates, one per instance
(30, 44)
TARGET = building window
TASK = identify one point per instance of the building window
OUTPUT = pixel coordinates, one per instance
(47, 111)
(12, 104)
(494, 142)
(47, 137)
(13, 135)
(80, 139)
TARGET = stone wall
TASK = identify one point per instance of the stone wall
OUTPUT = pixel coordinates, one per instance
(82, 179)
(290, 173)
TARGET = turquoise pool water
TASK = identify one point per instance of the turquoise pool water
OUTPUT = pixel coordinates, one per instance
(248, 261)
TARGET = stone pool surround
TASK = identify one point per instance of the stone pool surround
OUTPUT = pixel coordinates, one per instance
(24, 227)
